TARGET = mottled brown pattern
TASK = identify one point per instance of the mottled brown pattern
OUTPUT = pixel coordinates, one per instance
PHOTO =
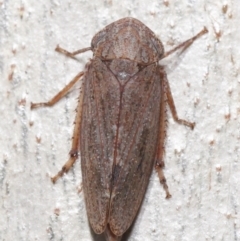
(126, 97)
(120, 124)
(118, 143)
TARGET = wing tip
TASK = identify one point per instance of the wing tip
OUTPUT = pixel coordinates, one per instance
(110, 236)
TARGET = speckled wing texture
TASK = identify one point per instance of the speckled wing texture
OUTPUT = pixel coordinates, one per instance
(118, 144)
(98, 134)
(120, 123)
(136, 148)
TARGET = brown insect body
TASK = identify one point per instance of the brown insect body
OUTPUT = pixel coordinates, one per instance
(120, 123)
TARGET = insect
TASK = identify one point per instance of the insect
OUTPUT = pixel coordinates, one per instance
(120, 123)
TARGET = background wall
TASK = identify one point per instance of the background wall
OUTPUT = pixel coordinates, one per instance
(202, 166)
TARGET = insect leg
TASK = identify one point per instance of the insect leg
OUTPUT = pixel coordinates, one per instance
(171, 104)
(75, 141)
(166, 98)
(59, 95)
(186, 43)
(71, 54)
(159, 165)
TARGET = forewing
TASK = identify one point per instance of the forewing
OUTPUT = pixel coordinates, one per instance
(136, 148)
(98, 131)
(118, 142)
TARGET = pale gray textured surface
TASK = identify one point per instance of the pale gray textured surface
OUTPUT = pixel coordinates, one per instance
(202, 166)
